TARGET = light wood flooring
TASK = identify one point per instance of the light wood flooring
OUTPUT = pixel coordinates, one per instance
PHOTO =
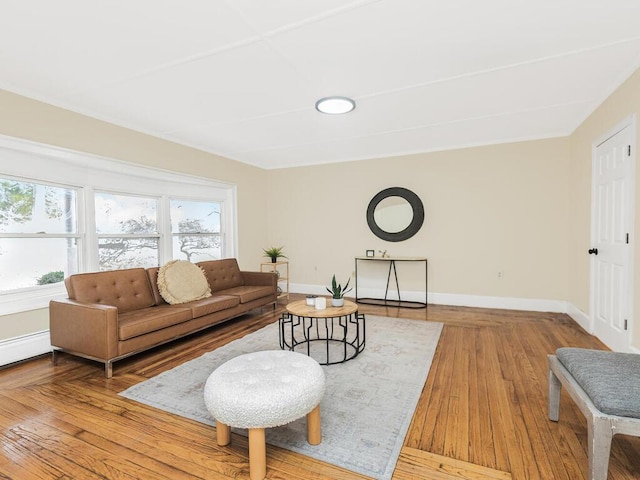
(482, 413)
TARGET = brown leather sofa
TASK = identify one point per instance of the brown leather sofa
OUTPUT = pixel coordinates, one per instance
(111, 315)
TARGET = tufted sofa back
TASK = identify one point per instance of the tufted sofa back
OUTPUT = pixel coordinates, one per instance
(222, 274)
(127, 289)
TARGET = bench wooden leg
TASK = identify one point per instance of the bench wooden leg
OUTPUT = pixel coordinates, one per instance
(257, 454)
(223, 433)
(314, 432)
(599, 436)
(555, 387)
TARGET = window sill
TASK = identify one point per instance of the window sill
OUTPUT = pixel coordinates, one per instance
(30, 299)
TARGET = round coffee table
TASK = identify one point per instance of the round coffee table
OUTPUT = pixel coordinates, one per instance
(331, 335)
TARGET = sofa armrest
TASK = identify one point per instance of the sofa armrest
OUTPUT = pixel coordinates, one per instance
(260, 278)
(87, 328)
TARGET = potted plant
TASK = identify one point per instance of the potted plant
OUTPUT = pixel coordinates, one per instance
(337, 292)
(274, 253)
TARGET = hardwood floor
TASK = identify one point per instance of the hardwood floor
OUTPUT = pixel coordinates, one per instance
(482, 413)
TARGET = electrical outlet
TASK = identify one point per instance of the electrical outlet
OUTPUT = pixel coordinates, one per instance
(500, 274)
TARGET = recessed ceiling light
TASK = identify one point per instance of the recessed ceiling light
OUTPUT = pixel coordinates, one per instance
(335, 105)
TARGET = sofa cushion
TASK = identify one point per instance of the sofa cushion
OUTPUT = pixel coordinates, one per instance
(213, 304)
(247, 293)
(610, 379)
(180, 281)
(127, 289)
(146, 320)
(222, 274)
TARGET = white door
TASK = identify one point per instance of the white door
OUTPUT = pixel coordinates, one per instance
(611, 220)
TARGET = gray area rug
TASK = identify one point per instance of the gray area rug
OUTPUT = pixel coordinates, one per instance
(367, 407)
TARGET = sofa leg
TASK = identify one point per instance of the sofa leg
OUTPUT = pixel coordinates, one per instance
(54, 357)
(108, 369)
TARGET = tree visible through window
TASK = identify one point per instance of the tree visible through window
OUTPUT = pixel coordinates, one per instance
(38, 234)
(127, 228)
(196, 230)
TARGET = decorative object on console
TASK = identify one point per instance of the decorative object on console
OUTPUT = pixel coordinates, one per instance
(383, 254)
(371, 253)
(180, 281)
(274, 253)
(320, 303)
(337, 292)
(311, 300)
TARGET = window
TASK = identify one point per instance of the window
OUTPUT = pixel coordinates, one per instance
(63, 212)
(127, 229)
(39, 239)
(195, 228)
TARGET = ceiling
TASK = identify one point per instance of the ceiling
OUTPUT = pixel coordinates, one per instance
(240, 78)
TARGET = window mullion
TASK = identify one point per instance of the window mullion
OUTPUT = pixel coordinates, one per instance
(90, 260)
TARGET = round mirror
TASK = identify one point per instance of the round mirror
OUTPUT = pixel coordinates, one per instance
(395, 214)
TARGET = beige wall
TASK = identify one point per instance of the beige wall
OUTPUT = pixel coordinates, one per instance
(25, 118)
(624, 102)
(487, 209)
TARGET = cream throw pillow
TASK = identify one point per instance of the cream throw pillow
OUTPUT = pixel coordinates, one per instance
(180, 281)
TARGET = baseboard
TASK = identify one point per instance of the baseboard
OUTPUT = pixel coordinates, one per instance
(27, 346)
(579, 317)
(505, 303)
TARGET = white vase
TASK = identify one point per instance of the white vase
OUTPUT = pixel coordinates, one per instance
(337, 302)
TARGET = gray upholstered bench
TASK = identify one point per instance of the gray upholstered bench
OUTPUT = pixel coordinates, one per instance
(606, 388)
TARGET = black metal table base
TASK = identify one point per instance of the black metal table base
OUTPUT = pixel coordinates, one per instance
(387, 302)
(392, 303)
(329, 340)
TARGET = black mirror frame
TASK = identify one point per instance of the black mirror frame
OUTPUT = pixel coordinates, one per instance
(412, 228)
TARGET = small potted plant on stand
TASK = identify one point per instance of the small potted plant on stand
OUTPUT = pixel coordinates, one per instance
(337, 292)
(274, 253)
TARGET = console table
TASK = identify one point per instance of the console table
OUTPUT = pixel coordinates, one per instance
(392, 268)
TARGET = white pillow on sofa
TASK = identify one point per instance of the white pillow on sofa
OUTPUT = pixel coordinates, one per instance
(180, 281)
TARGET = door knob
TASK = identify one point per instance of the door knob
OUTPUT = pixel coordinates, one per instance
(593, 251)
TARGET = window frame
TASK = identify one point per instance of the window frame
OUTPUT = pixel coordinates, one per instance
(220, 234)
(157, 235)
(88, 173)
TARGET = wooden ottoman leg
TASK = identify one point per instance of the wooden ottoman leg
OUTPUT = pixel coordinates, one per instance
(314, 433)
(257, 454)
(223, 433)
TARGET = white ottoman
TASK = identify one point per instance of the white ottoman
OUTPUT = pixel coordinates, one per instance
(265, 389)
